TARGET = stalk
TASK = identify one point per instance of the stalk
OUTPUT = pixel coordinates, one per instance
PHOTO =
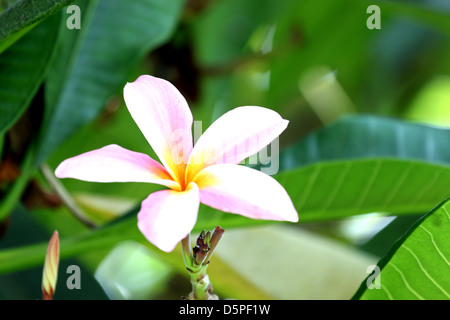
(197, 262)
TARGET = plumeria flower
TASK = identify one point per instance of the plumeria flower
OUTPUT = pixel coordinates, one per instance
(208, 172)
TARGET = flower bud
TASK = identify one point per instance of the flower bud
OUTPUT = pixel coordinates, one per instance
(50, 272)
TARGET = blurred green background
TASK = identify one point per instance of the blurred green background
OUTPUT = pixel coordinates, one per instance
(366, 152)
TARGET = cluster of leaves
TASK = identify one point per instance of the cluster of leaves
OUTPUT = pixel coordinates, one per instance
(315, 63)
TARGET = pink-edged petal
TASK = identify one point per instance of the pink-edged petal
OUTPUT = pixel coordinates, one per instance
(235, 136)
(163, 116)
(168, 216)
(245, 191)
(113, 163)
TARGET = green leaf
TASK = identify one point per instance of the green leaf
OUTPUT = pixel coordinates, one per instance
(24, 13)
(8, 42)
(22, 68)
(367, 136)
(418, 265)
(330, 190)
(340, 189)
(113, 39)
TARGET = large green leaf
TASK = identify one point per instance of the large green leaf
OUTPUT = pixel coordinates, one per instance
(330, 190)
(340, 189)
(24, 13)
(114, 37)
(418, 265)
(6, 43)
(22, 68)
(367, 136)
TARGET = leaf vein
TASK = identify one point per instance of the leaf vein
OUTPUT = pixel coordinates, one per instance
(446, 212)
(399, 183)
(406, 282)
(435, 245)
(425, 271)
(337, 187)
(425, 189)
(309, 186)
(366, 190)
(390, 297)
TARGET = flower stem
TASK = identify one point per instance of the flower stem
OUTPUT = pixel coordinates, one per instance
(201, 286)
(186, 249)
(197, 262)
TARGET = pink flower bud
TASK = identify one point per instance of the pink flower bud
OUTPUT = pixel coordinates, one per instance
(50, 273)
